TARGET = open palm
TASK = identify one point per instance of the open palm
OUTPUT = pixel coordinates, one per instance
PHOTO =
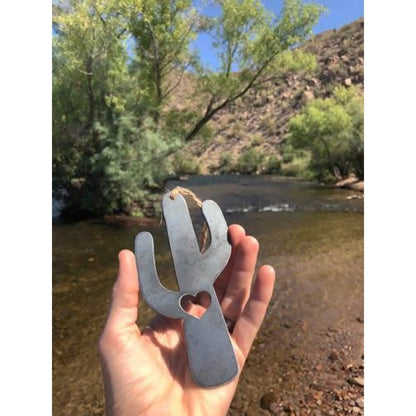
(147, 372)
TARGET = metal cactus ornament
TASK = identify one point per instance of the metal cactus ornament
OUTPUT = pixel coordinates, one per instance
(210, 353)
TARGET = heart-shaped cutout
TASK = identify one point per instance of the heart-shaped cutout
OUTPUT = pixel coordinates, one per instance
(196, 305)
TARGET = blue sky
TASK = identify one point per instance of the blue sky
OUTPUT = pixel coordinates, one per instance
(340, 13)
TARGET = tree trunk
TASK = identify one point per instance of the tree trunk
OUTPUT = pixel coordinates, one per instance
(334, 168)
(91, 97)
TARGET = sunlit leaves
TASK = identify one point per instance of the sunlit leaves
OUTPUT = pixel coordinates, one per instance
(332, 128)
(253, 46)
(116, 65)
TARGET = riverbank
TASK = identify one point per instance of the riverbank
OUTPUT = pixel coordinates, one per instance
(352, 183)
(347, 189)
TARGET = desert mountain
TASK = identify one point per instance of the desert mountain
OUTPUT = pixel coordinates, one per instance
(260, 119)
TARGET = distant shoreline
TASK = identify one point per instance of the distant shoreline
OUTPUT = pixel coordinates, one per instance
(146, 219)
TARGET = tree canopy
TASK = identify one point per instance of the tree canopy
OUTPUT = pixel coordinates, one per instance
(116, 65)
(333, 130)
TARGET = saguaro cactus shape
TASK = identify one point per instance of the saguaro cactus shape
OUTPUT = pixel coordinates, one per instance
(211, 356)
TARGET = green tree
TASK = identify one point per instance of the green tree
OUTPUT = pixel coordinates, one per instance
(117, 63)
(89, 64)
(90, 85)
(162, 31)
(254, 46)
(333, 130)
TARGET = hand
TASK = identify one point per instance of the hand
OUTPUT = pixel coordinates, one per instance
(146, 372)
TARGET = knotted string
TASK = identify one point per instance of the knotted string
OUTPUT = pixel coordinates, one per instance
(179, 190)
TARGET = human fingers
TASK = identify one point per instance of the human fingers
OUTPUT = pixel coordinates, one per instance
(239, 284)
(125, 295)
(249, 322)
(235, 234)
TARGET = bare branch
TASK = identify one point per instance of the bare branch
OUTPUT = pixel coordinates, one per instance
(176, 85)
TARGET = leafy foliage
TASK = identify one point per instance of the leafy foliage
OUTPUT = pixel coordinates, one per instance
(253, 46)
(274, 165)
(333, 130)
(132, 161)
(226, 163)
(250, 161)
(185, 164)
(162, 31)
(298, 165)
(115, 67)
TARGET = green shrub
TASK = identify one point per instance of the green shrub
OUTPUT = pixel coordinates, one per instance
(288, 153)
(250, 161)
(130, 161)
(206, 134)
(269, 122)
(273, 165)
(284, 105)
(298, 166)
(184, 164)
(237, 128)
(257, 140)
(226, 163)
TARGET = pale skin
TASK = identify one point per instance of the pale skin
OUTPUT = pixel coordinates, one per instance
(146, 372)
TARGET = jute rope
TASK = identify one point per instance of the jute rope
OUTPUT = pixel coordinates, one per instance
(179, 190)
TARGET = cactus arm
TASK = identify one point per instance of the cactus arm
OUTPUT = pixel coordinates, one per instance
(162, 300)
(219, 251)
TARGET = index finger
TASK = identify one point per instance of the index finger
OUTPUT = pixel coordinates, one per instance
(125, 296)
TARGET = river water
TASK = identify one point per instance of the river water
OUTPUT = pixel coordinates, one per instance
(311, 234)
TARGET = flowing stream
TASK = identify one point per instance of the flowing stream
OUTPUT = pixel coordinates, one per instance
(311, 234)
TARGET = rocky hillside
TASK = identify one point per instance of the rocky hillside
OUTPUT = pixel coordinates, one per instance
(260, 119)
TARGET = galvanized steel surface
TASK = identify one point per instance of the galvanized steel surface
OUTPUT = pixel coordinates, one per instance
(210, 352)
